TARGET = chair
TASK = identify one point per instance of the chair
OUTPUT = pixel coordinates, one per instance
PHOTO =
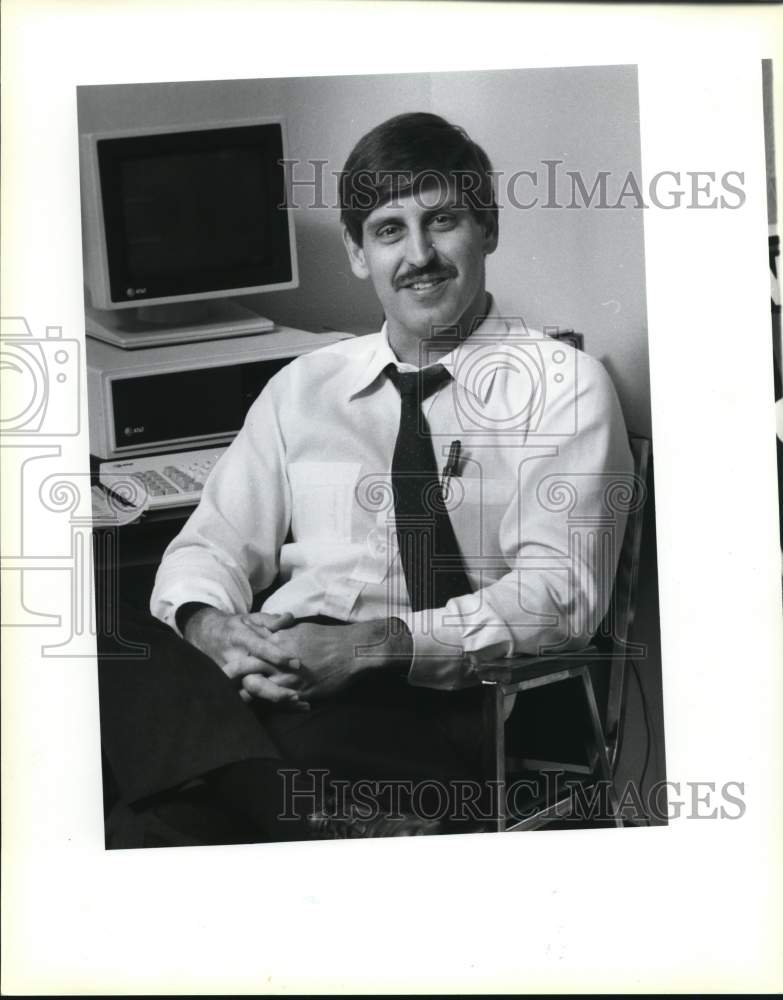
(606, 654)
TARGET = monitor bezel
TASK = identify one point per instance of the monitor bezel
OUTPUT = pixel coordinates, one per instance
(96, 256)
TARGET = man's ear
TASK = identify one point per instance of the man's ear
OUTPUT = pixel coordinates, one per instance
(355, 255)
(490, 235)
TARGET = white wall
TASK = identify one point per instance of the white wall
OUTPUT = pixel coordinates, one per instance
(582, 269)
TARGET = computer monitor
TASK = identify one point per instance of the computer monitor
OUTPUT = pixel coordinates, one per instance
(179, 220)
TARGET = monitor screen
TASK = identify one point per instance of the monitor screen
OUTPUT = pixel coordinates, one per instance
(192, 213)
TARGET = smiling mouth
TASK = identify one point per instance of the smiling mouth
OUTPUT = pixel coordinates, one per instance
(425, 284)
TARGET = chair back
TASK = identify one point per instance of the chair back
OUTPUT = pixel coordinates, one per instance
(616, 626)
(623, 604)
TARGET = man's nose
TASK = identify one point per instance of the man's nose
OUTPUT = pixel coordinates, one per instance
(418, 249)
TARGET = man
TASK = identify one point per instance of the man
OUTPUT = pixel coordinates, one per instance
(398, 495)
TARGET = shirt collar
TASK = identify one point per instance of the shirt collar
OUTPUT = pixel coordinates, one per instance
(492, 330)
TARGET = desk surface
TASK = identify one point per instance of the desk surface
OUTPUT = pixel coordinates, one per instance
(282, 342)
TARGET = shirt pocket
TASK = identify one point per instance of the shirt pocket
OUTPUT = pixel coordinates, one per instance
(477, 507)
(322, 496)
(480, 491)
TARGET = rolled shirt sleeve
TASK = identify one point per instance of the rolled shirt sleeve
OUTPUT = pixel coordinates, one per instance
(229, 548)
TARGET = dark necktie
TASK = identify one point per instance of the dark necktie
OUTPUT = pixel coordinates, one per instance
(430, 555)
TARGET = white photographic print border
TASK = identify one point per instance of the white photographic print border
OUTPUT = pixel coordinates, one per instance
(691, 906)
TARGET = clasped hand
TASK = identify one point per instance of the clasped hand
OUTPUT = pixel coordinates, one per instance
(272, 659)
(243, 647)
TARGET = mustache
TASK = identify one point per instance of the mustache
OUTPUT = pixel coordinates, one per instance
(430, 273)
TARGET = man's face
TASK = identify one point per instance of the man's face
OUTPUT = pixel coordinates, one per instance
(425, 256)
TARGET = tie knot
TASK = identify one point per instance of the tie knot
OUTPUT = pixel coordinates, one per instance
(422, 383)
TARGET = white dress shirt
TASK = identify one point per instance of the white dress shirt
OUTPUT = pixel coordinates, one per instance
(544, 459)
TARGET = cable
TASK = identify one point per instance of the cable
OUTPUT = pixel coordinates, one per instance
(618, 753)
(648, 736)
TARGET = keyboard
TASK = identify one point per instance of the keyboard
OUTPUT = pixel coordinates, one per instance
(172, 480)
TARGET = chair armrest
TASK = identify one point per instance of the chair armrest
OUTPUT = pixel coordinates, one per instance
(525, 668)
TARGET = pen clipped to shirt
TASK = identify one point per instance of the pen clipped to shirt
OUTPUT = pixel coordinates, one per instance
(452, 465)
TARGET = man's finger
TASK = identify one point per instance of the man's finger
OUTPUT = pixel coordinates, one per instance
(271, 672)
(265, 689)
(239, 665)
(286, 680)
(271, 622)
(255, 644)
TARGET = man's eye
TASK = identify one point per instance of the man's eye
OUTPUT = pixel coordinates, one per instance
(387, 232)
(443, 221)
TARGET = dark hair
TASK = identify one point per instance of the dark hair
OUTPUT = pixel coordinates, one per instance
(403, 155)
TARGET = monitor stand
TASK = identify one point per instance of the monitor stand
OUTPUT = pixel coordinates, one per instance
(155, 326)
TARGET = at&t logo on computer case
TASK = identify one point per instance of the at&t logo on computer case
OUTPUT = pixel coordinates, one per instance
(40, 381)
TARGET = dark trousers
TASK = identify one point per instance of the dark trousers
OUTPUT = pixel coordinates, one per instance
(173, 716)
